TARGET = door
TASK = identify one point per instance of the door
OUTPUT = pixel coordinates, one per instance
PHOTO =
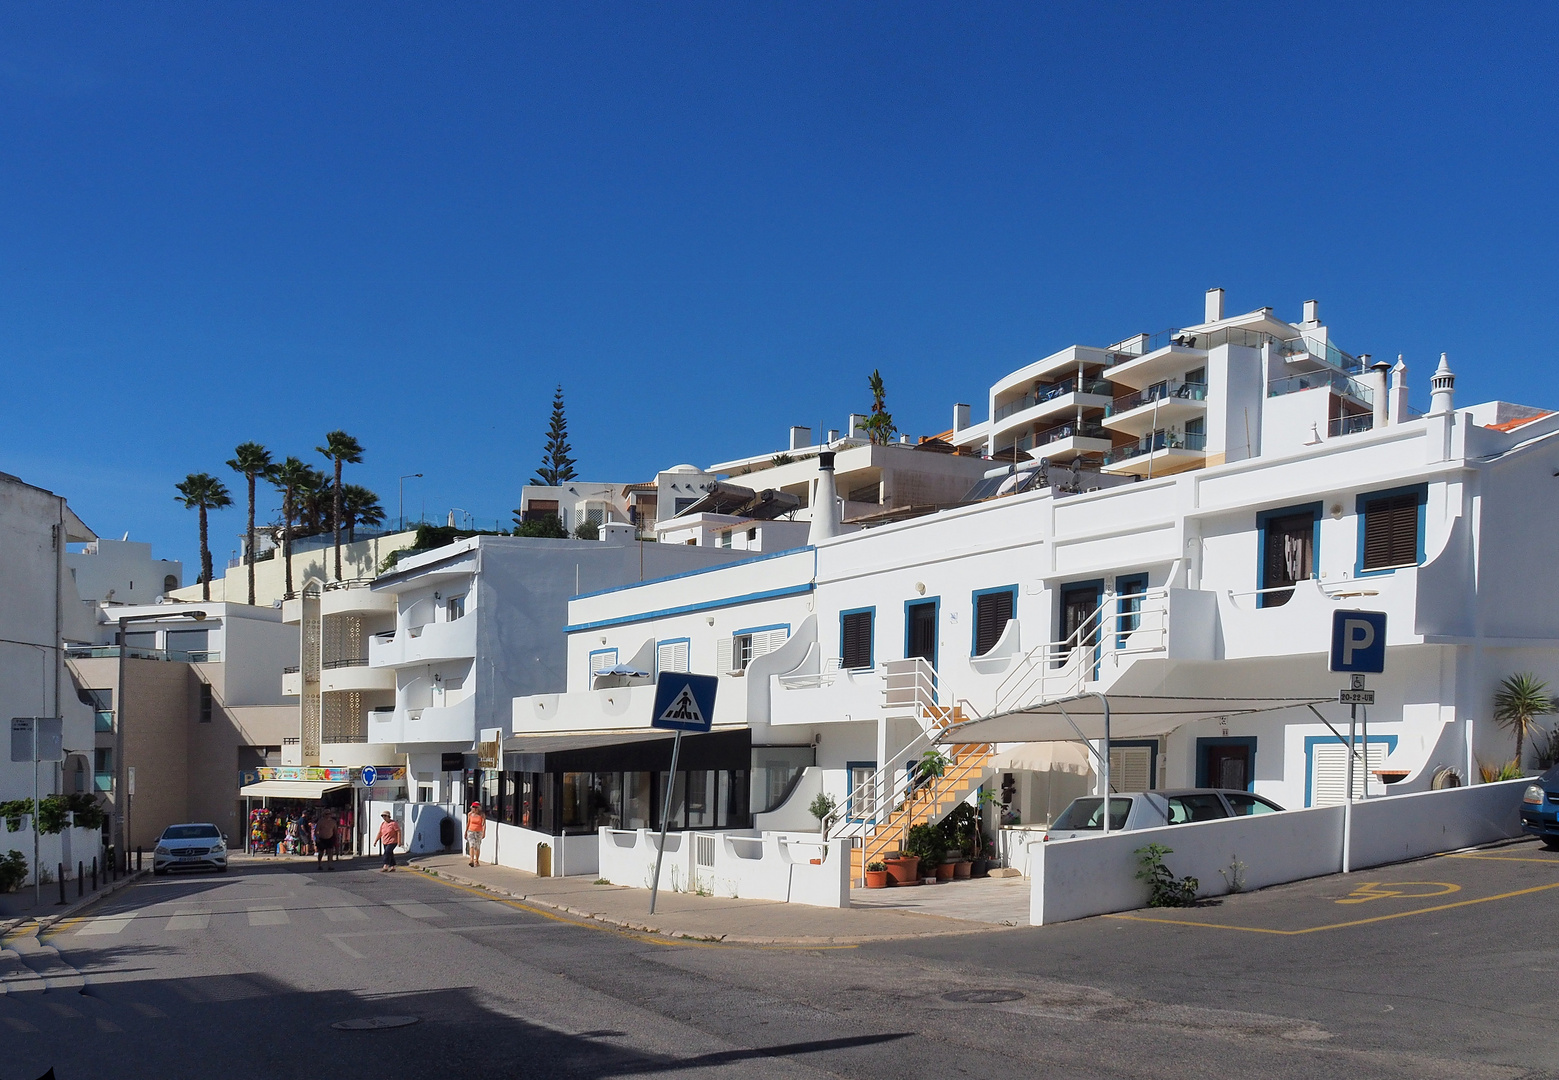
(1288, 555)
(1079, 627)
(920, 631)
(1228, 766)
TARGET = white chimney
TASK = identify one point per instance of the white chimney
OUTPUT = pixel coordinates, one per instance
(1312, 314)
(800, 438)
(857, 426)
(1375, 378)
(825, 508)
(1214, 305)
(960, 418)
(833, 435)
(1396, 398)
(1442, 389)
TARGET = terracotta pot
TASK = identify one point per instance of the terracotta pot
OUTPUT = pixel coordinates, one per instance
(944, 871)
(962, 869)
(904, 871)
(876, 879)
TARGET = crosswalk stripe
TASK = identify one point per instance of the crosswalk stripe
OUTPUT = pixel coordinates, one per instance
(107, 924)
(416, 909)
(345, 914)
(268, 917)
(190, 920)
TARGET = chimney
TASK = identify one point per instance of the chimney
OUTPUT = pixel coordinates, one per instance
(1214, 305)
(1442, 389)
(800, 438)
(1378, 373)
(825, 508)
(857, 426)
(1396, 398)
(960, 418)
(1312, 314)
(833, 435)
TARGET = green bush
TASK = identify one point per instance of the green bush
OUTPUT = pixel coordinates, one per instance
(927, 842)
(1165, 890)
(13, 871)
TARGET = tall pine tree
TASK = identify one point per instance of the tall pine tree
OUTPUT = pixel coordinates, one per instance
(557, 467)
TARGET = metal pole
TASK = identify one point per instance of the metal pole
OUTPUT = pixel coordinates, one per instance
(37, 870)
(1347, 806)
(665, 819)
(120, 784)
(1104, 701)
(1364, 761)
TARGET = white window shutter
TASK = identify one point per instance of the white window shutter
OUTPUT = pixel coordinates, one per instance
(672, 656)
(768, 641)
(605, 660)
(723, 662)
(1129, 768)
(1329, 772)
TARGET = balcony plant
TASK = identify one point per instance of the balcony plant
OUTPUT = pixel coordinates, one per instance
(876, 875)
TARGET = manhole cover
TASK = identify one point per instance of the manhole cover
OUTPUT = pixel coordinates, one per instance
(983, 997)
(374, 1023)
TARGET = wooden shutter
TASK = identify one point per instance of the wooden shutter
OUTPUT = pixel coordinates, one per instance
(1131, 768)
(1391, 531)
(855, 644)
(1329, 772)
(723, 661)
(992, 612)
(672, 656)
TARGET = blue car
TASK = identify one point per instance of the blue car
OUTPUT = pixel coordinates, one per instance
(1540, 809)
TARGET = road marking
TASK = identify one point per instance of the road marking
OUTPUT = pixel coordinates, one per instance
(345, 914)
(63, 1010)
(273, 916)
(1506, 858)
(20, 1025)
(106, 924)
(335, 939)
(416, 909)
(189, 920)
(1402, 890)
(149, 1011)
(1336, 926)
(108, 1026)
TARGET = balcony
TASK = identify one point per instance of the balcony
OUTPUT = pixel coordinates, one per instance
(1157, 405)
(103, 782)
(1053, 392)
(1350, 425)
(609, 709)
(354, 674)
(1250, 629)
(451, 723)
(428, 643)
(354, 598)
(1064, 442)
(111, 652)
(103, 720)
(1337, 382)
(291, 682)
(1158, 453)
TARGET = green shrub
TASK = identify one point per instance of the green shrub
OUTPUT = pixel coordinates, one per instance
(927, 842)
(13, 871)
(1165, 890)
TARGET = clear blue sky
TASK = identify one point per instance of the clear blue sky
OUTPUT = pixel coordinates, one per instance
(223, 222)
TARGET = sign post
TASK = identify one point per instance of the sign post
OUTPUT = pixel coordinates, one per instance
(683, 702)
(35, 739)
(1359, 648)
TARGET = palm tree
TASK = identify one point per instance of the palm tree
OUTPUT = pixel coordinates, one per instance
(254, 461)
(360, 507)
(314, 503)
(1519, 701)
(292, 478)
(339, 447)
(879, 425)
(202, 491)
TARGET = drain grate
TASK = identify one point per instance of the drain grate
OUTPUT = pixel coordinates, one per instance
(374, 1023)
(984, 997)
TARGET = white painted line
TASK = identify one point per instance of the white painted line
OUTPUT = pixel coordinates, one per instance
(190, 920)
(416, 909)
(107, 924)
(335, 939)
(268, 917)
(345, 914)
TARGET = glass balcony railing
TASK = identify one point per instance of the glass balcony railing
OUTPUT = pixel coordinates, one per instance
(111, 652)
(1351, 425)
(1161, 392)
(103, 720)
(1042, 394)
(1337, 382)
(103, 781)
(1155, 441)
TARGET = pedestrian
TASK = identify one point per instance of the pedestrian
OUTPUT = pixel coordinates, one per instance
(476, 829)
(389, 839)
(325, 840)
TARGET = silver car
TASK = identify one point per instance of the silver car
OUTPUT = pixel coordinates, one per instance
(1151, 809)
(190, 847)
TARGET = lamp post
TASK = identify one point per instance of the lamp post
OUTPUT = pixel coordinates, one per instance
(121, 830)
(401, 505)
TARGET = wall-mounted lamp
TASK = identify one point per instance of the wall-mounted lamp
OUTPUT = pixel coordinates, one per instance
(710, 619)
(438, 678)
(437, 596)
(920, 587)
(1337, 510)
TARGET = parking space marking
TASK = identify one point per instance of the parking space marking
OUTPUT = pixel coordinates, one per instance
(1336, 926)
(1398, 890)
(1506, 858)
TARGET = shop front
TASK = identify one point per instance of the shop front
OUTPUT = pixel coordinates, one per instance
(281, 804)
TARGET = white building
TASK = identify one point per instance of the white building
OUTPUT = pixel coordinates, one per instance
(1290, 481)
(122, 572)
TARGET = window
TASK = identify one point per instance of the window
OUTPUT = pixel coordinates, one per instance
(1184, 808)
(170, 582)
(992, 611)
(1086, 813)
(455, 607)
(537, 509)
(103, 768)
(1288, 555)
(672, 655)
(681, 505)
(1391, 532)
(861, 802)
(1131, 768)
(725, 539)
(189, 641)
(739, 650)
(775, 769)
(1129, 592)
(855, 639)
(1197, 376)
(101, 702)
(1328, 762)
(205, 703)
(1248, 805)
(752, 534)
(602, 660)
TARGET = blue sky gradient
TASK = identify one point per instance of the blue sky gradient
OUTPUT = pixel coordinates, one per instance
(711, 221)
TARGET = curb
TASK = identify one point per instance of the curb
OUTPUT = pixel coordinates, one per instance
(10, 926)
(722, 939)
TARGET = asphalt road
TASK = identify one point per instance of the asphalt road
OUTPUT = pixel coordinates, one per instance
(243, 975)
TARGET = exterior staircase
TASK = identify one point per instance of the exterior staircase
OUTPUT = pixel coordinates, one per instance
(928, 805)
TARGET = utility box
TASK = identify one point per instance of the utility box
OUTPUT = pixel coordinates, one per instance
(543, 860)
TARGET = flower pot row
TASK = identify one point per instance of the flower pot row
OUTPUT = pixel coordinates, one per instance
(905, 870)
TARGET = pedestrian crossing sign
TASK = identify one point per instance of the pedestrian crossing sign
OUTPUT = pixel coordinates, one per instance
(684, 702)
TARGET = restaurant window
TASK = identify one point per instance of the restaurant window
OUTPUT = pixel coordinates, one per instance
(775, 769)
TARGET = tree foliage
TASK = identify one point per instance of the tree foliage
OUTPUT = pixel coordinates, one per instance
(1519, 701)
(547, 526)
(879, 425)
(557, 464)
(253, 461)
(203, 492)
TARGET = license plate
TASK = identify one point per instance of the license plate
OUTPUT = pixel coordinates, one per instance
(189, 858)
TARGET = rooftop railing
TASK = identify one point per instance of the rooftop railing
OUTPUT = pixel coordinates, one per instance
(1350, 425)
(1337, 382)
(111, 652)
(351, 661)
(1325, 352)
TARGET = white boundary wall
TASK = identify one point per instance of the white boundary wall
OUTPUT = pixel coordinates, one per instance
(802, 869)
(504, 845)
(1073, 879)
(69, 846)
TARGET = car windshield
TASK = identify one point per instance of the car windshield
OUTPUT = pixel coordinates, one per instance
(1086, 814)
(190, 832)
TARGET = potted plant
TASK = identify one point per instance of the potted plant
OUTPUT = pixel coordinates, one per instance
(822, 808)
(927, 842)
(933, 765)
(876, 875)
(903, 869)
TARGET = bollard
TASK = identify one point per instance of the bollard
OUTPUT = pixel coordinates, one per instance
(137, 858)
(94, 873)
(61, 878)
(81, 879)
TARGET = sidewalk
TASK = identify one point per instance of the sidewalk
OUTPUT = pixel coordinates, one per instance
(700, 918)
(22, 912)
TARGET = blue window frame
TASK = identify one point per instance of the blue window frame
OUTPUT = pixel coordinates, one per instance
(1151, 745)
(868, 810)
(1270, 572)
(989, 622)
(602, 660)
(1204, 776)
(1391, 512)
(857, 638)
(1128, 609)
(1312, 741)
(934, 603)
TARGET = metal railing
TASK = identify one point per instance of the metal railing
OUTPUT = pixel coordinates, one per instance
(111, 652)
(1186, 391)
(1337, 382)
(292, 670)
(1155, 441)
(1050, 392)
(1350, 425)
(351, 661)
(1071, 429)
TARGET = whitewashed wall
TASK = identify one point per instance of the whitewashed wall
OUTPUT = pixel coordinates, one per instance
(69, 847)
(801, 869)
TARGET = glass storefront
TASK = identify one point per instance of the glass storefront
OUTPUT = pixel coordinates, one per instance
(582, 802)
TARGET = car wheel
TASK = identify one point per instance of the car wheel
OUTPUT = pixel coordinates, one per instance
(221, 869)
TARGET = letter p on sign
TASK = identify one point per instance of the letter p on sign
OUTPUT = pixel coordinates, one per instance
(1359, 641)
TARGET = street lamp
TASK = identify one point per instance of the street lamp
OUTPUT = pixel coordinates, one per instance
(121, 828)
(401, 507)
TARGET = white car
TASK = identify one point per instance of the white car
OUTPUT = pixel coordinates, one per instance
(190, 847)
(1151, 809)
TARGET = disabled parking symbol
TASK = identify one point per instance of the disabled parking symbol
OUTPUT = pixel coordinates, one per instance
(1399, 890)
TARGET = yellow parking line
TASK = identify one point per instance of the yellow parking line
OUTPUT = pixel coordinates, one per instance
(1341, 925)
(1505, 858)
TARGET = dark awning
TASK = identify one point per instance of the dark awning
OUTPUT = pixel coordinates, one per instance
(626, 751)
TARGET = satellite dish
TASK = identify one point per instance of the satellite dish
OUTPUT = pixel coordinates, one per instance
(1446, 777)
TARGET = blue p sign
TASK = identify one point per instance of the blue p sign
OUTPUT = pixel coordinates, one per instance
(1359, 641)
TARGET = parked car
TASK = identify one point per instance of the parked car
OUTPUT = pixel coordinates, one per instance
(1540, 809)
(1150, 809)
(194, 846)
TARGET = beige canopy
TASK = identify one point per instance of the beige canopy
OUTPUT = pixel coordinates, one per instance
(1069, 757)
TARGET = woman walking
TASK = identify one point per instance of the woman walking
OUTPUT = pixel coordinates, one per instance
(389, 839)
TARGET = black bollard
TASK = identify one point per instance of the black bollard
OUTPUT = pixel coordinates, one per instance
(62, 882)
(81, 879)
(94, 873)
(137, 858)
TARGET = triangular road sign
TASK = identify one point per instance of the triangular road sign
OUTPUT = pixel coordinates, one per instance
(683, 709)
(684, 702)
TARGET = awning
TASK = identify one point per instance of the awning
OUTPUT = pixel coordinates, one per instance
(628, 750)
(1071, 757)
(1130, 716)
(290, 789)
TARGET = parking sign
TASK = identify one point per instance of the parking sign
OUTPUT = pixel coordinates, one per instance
(1359, 641)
